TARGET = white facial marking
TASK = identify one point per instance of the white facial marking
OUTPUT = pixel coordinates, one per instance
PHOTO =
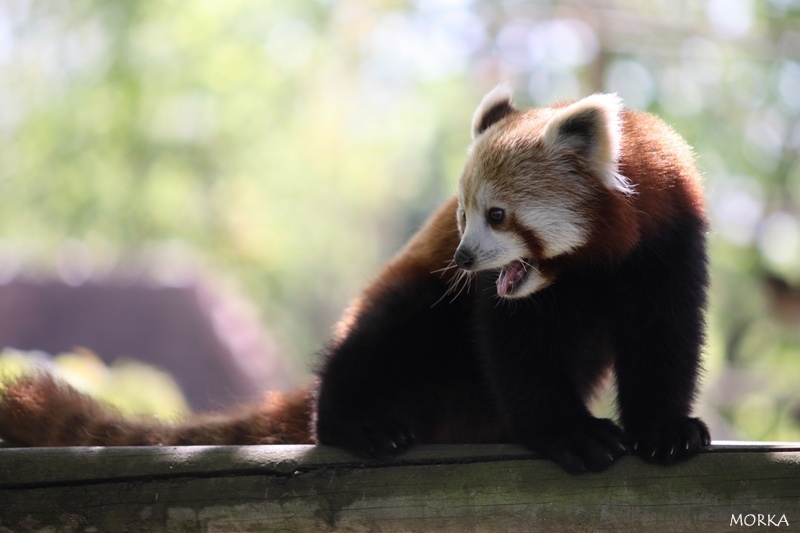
(558, 225)
(533, 282)
(491, 249)
(556, 221)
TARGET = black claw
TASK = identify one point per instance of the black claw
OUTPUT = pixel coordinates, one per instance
(671, 441)
(590, 444)
(377, 440)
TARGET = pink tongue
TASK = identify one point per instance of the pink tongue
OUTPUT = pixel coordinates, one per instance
(509, 275)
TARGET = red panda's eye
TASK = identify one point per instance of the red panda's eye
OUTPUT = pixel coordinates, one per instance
(496, 215)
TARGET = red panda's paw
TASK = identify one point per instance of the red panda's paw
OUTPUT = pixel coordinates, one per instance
(591, 444)
(377, 440)
(670, 441)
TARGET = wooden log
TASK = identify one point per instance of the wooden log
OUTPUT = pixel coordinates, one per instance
(432, 488)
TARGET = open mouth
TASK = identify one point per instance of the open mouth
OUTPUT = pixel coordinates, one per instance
(513, 276)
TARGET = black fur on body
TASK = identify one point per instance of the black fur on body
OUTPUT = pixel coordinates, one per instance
(418, 364)
(422, 368)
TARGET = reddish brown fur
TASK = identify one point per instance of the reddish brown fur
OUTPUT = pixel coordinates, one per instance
(660, 164)
(430, 250)
(40, 411)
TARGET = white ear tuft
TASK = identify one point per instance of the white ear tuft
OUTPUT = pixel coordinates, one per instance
(493, 107)
(592, 128)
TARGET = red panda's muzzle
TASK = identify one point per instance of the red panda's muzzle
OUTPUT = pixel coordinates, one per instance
(511, 277)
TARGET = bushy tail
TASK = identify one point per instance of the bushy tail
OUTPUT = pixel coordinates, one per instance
(40, 411)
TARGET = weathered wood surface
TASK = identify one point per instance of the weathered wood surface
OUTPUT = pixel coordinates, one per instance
(453, 488)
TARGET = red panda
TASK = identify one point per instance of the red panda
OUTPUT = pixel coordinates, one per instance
(575, 247)
(578, 247)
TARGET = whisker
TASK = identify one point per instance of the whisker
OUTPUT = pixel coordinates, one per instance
(467, 278)
(451, 264)
(528, 265)
(455, 283)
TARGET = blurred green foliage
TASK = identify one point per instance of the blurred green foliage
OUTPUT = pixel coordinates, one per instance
(294, 146)
(118, 385)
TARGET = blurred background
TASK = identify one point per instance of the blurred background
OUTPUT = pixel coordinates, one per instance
(203, 185)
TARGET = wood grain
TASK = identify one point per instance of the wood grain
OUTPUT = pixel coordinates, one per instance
(432, 488)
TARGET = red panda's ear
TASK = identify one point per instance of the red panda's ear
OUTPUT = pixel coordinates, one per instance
(494, 106)
(592, 129)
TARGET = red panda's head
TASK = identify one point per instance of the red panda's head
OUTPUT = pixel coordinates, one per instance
(531, 183)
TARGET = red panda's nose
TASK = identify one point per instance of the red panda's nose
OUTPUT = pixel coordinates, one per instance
(464, 258)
